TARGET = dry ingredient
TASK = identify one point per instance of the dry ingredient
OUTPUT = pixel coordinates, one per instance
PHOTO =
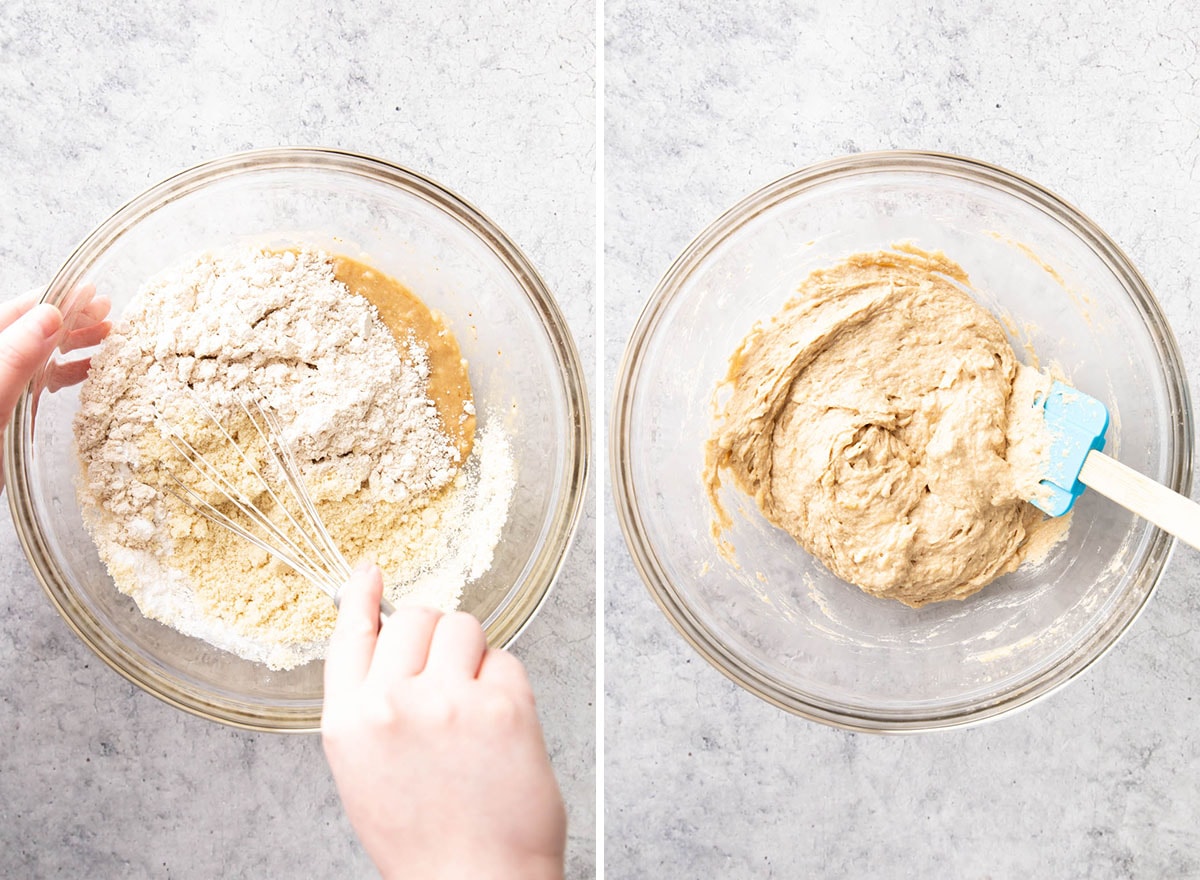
(875, 418)
(398, 477)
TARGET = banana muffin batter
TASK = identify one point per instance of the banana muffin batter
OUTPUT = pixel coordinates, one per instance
(882, 419)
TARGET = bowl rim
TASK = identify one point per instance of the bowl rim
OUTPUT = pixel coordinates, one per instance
(673, 602)
(560, 525)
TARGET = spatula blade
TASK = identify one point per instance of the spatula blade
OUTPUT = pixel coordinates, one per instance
(1077, 424)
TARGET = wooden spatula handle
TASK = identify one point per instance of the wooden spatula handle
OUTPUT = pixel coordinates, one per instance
(1150, 500)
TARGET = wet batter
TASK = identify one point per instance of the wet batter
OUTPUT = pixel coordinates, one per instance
(874, 418)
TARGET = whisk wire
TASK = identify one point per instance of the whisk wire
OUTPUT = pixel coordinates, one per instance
(297, 488)
(207, 510)
(321, 562)
(291, 552)
(273, 437)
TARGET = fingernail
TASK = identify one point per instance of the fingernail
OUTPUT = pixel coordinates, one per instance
(47, 318)
(363, 567)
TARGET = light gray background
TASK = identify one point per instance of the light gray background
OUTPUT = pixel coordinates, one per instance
(708, 101)
(99, 101)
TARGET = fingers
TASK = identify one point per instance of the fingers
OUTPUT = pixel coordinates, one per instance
(354, 637)
(66, 373)
(84, 317)
(85, 320)
(91, 334)
(15, 308)
(79, 306)
(94, 312)
(404, 644)
(502, 669)
(413, 642)
(457, 647)
(24, 346)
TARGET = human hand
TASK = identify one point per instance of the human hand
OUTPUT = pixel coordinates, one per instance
(84, 326)
(435, 745)
(29, 333)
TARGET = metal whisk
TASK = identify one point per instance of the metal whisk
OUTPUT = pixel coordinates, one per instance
(313, 555)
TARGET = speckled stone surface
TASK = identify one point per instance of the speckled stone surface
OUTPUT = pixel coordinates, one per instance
(708, 101)
(97, 102)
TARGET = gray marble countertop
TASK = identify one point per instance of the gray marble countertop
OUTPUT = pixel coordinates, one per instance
(705, 103)
(99, 101)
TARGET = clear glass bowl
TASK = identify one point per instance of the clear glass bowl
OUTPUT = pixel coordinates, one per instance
(781, 625)
(523, 365)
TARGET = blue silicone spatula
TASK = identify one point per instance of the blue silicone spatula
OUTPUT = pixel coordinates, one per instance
(1077, 424)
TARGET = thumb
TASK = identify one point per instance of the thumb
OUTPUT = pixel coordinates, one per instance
(353, 641)
(24, 347)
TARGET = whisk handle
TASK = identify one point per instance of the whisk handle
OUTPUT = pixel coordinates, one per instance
(386, 609)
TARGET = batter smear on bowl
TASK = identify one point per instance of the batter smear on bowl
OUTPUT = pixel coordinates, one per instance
(876, 419)
(376, 405)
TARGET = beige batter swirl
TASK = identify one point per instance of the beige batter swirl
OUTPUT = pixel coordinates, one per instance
(874, 419)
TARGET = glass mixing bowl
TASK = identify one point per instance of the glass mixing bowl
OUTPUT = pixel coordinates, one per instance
(523, 365)
(778, 623)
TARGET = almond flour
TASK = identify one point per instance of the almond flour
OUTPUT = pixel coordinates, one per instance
(388, 480)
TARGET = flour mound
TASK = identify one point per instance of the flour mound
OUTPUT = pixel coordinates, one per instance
(277, 327)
